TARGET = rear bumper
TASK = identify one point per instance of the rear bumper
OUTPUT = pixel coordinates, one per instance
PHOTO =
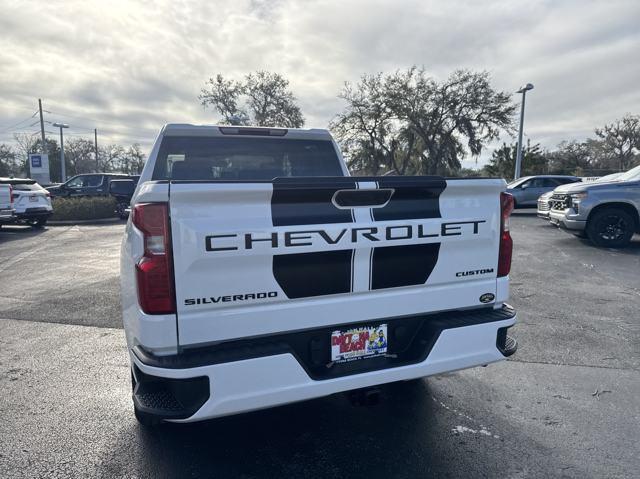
(248, 378)
(34, 213)
(7, 216)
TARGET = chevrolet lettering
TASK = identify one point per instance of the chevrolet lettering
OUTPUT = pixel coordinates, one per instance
(292, 239)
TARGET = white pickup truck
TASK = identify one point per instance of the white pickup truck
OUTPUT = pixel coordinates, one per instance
(7, 212)
(256, 272)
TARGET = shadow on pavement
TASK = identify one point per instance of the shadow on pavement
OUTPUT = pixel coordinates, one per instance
(18, 232)
(407, 435)
(525, 212)
(632, 248)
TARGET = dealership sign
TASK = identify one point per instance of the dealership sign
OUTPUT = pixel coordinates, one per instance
(39, 168)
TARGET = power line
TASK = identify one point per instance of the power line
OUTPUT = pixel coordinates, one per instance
(98, 122)
(122, 131)
(7, 128)
(17, 107)
(140, 136)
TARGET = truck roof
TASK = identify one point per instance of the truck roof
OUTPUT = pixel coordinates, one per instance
(186, 129)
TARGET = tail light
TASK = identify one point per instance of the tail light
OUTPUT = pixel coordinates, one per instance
(10, 196)
(154, 270)
(506, 243)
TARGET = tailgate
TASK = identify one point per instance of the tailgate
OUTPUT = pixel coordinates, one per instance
(294, 253)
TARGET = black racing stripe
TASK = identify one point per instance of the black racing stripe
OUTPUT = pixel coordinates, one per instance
(395, 266)
(414, 198)
(304, 275)
(307, 201)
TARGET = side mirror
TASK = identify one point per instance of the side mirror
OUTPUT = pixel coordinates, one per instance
(524, 186)
(122, 187)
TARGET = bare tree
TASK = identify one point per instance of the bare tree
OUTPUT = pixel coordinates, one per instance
(25, 144)
(414, 124)
(79, 155)
(134, 160)
(9, 164)
(224, 96)
(111, 157)
(262, 99)
(270, 100)
(366, 129)
(621, 141)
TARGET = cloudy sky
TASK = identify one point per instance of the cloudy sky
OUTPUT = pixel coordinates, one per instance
(127, 67)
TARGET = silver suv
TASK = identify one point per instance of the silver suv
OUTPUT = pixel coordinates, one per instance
(606, 212)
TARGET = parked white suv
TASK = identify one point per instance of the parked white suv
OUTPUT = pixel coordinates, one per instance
(256, 272)
(32, 203)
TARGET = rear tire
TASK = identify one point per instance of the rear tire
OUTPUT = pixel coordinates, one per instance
(146, 420)
(120, 210)
(610, 228)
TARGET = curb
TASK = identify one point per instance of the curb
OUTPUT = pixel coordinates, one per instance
(84, 222)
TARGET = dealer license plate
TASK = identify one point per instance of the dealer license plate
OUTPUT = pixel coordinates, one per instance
(358, 343)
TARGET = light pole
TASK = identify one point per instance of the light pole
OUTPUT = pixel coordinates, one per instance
(62, 168)
(523, 89)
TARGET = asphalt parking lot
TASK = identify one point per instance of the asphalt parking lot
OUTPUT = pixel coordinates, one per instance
(566, 405)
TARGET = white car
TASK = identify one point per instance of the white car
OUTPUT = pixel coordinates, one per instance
(32, 203)
(256, 272)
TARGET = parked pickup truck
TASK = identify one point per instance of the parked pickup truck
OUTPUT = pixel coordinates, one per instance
(7, 212)
(122, 191)
(88, 184)
(606, 212)
(256, 272)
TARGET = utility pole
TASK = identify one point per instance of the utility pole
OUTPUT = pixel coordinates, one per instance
(524, 89)
(44, 143)
(62, 165)
(95, 142)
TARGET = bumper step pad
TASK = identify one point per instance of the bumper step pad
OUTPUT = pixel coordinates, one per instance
(168, 398)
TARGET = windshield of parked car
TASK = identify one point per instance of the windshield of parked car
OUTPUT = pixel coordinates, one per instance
(84, 181)
(244, 159)
(607, 178)
(631, 175)
(517, 182)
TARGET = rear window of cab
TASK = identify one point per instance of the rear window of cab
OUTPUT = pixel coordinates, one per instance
(244, 159)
